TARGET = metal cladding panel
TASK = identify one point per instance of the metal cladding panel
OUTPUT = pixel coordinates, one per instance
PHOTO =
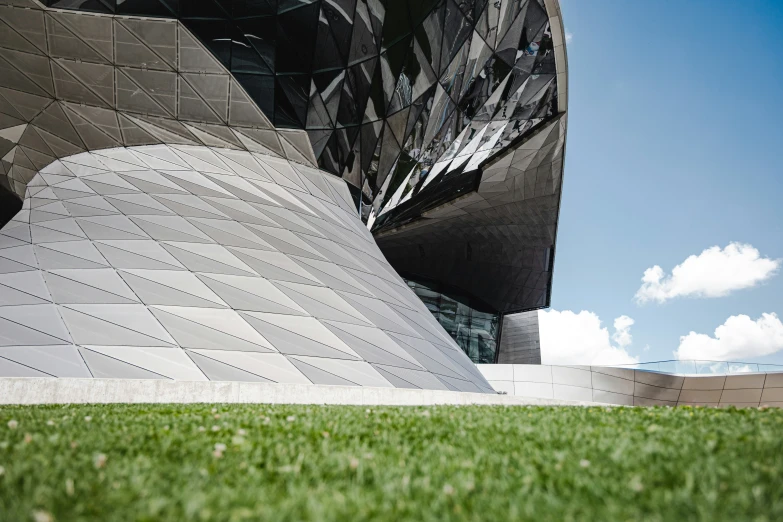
(497, 244)
(632, 387)
(483, 217)
(386, 91)
(76, 81)
(521, 342)
(445, 120)
(188, 263)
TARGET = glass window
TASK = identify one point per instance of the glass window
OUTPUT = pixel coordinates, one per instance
(475, 331)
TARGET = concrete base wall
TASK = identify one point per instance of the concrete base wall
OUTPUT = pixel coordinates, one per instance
(106, 391)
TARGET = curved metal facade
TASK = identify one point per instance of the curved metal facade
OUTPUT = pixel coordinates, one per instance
(193, 263)
(379, 85)
(72, 82)
(418, 106)
(633, 387)
(484, 217)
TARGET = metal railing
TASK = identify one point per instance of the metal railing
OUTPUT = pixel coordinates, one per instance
(700, 367)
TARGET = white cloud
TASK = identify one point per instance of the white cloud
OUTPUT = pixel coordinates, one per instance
(740, 337)
(568, 36)
(569, 338)
(622, 331)
(713, 273)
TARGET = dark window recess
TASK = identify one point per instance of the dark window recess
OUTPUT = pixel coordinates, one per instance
(472, 325)
(10, 204)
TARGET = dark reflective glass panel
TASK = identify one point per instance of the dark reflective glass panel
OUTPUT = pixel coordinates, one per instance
(445, 64)
(473, 328)
(10, 204)
(410, 101)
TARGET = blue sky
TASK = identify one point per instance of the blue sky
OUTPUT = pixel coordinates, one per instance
(675, 144)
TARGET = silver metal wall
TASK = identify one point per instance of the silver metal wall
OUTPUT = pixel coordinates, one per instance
(194, 263)
(635, 387)
(520, 342)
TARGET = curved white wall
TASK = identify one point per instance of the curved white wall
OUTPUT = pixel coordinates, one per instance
(628, 387)
(197, 263)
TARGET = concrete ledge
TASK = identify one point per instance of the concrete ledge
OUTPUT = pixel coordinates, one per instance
(36, 390)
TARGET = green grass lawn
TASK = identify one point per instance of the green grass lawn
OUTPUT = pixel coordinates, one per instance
(263, 462)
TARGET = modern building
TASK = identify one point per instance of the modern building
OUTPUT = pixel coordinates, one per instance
(202, 187)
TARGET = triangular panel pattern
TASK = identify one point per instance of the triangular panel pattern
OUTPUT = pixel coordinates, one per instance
(191, 263)
(74, 83)
(453, 109)
(451, 84)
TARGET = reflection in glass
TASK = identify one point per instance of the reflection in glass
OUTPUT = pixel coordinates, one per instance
(430, 87)
(475, 330)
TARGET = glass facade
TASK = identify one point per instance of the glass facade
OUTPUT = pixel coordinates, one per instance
(477, 332)
(394, 94)
(446, 118)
